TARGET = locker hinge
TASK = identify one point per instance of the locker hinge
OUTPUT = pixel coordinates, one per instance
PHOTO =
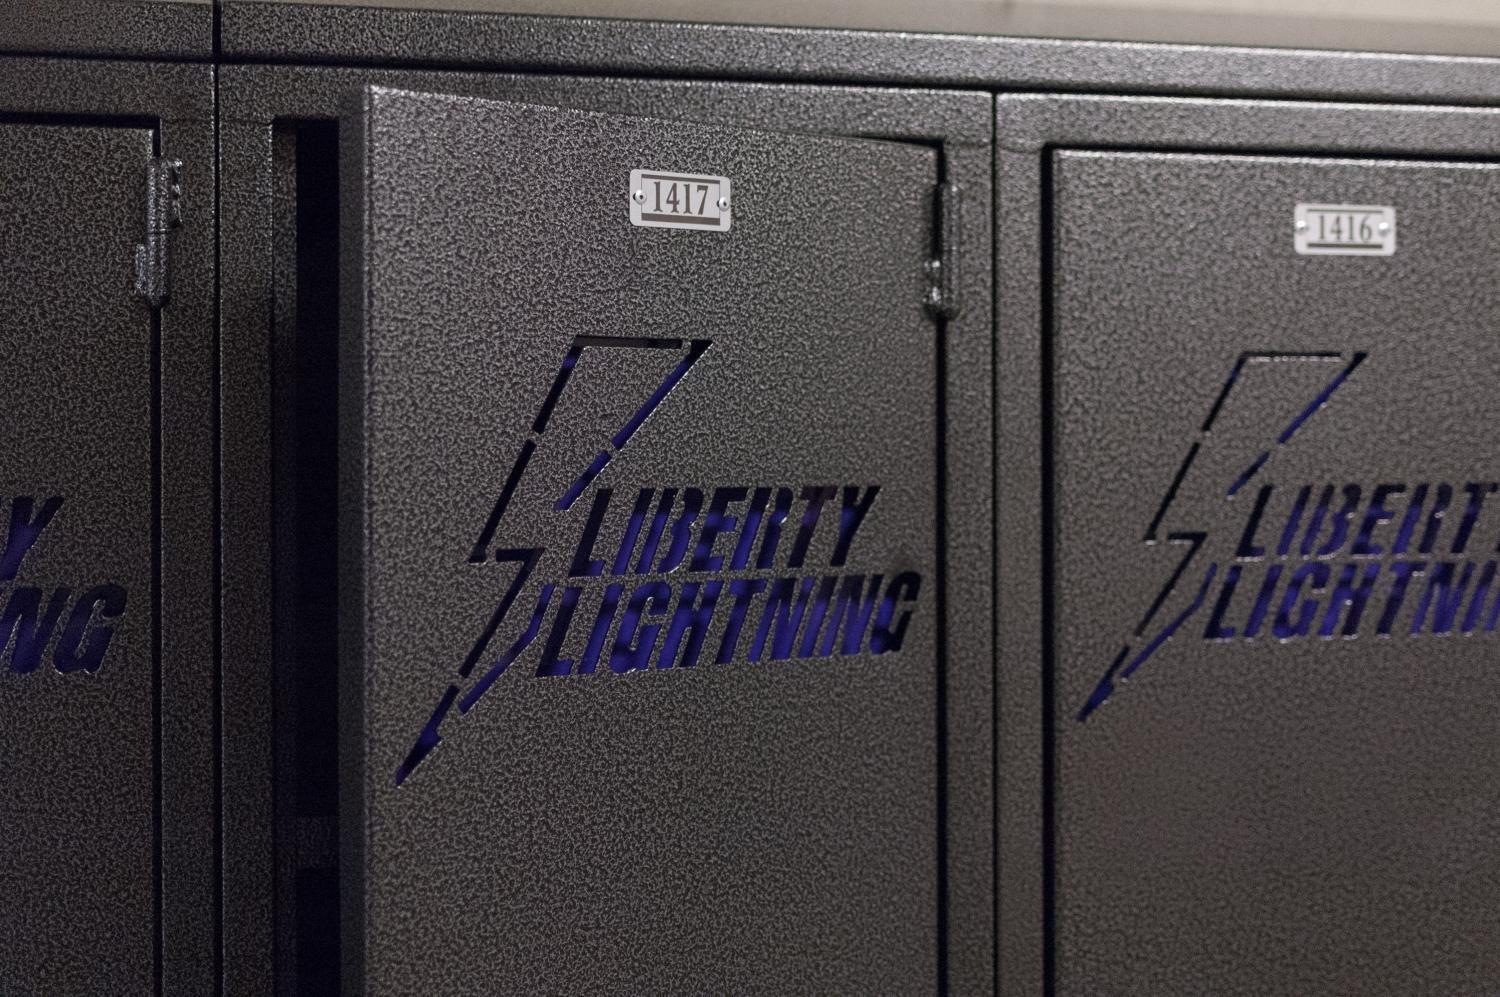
(163, 214)
(942, 272)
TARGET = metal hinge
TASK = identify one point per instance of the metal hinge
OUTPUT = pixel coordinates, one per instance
(163, 214)
(942, 273)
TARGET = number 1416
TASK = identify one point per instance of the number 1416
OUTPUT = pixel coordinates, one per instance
(1347, 228)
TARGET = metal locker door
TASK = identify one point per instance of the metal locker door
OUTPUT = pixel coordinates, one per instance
(1275, 558)
(78, 591)
(640, 556)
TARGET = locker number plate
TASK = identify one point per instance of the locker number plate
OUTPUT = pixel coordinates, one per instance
(679, 200)
(1345, 230)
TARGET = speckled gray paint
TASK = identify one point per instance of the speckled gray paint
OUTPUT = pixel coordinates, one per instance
(780, 815)
(78, 780)
(1318, 817)
(253, 96)
(152, 29)
(299, 32)
(1307, 818)
(90, 341)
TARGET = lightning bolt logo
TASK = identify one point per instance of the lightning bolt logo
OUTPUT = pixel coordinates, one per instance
(526, 559)
(1140, 648)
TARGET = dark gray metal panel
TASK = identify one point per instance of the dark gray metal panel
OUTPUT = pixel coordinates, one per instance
(173, 92)
(113, 414)
(1019, 479)
(299, 32)
(254, 96)
(1399, 821)
(192, 597)
(1284, 813)
(148, 29)
(261, 93)
(639, 818)
(1028, 123)
(78, 783)
(172, 106)
(246, 398)
(1112, 22)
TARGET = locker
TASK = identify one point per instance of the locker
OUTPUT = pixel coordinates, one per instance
(107, 668)
(79, 552)
(1267, 560)
(501, 665)
(946, 503)
(1320, 690)
(590, 695)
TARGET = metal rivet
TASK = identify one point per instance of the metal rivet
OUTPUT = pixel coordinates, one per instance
(1301, 226)
(723, 203)
(638, 196)
(1383, 227)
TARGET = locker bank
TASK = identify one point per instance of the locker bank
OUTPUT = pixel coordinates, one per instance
(514, 503)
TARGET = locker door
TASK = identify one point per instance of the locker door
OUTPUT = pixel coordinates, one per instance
(639, 553)
(1276, 593)
(77, 585)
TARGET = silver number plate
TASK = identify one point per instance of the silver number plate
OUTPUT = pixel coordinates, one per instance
(679, 200)
(1345, 230)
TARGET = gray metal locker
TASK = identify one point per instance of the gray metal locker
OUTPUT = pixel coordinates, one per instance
(78, 567)
(618, 505)
(546, 345)
(1269, 550)
(107, 664)
(640, 622)
(1300, 762)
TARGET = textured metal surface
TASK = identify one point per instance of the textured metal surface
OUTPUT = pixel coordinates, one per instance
(631, 823)
(298, 32)
(1253, 816)
(85, 369)
(83, 319)
(156, 29)
(1242, 816)
(255, 96)
(1446, 33)
(78, 784)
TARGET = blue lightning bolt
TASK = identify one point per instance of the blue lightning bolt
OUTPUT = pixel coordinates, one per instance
(1124, 665)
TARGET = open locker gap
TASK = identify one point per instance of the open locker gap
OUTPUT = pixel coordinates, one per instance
(304, 424)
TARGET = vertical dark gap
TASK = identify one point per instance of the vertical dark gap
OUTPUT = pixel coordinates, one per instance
(283, 549)
(941, 584)
(217, 616)
(157, 935)
(304, 560)
(1049, 544)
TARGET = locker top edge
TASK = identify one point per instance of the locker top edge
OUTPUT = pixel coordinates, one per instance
(942, 44)
(131, 29)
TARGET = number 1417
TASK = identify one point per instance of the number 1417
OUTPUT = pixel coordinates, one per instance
(680, 198)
